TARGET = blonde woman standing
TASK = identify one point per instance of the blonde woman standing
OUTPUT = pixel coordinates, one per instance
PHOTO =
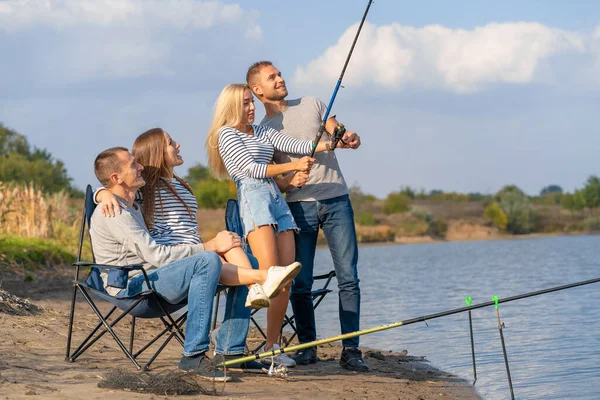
(239, 150)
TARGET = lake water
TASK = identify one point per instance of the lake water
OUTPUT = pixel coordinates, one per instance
(552, 340)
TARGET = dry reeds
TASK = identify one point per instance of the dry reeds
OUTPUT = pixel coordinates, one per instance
(26, 211)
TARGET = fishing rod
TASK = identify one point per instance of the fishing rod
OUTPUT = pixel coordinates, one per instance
(501, 329)
(468, 301)
(339, 132)
(423, 318)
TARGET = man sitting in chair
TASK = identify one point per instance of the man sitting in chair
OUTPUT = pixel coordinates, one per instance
(176, 273)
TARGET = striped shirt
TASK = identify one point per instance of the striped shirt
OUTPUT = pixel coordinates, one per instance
(173, 223)
(247, 156)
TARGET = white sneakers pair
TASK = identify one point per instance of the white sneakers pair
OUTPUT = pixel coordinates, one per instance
(277, 279)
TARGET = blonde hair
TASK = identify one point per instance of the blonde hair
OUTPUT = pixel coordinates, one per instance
(228, 112)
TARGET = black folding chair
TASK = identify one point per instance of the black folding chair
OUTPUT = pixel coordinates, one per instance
(145, 304)
(233, 223)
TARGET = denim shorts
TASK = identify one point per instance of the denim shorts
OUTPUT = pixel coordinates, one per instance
(261, 203)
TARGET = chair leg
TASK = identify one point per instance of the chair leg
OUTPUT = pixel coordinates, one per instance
(71, 316)
(131, 334)
(264, 335)
(109, 327)
(87, 343)
(214, 321)
(289, 321)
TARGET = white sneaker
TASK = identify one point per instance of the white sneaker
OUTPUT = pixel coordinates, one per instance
(280, 359)
(279, 277)
(257, 298)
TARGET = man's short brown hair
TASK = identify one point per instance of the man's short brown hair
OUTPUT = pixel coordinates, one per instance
(108, 163)
(255, 69)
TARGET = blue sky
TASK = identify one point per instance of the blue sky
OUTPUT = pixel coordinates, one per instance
(461, 96)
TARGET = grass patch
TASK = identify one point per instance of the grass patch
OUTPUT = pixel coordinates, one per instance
(33, 253)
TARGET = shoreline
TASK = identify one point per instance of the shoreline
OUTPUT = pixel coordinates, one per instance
(33, 345)
(431, 240)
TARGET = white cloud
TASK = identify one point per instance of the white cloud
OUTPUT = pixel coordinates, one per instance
(76, 40)
(62, 14)
(394, 56)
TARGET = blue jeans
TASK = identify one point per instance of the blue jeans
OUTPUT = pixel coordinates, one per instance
(234, 329)
(195, 278)
(336, 218)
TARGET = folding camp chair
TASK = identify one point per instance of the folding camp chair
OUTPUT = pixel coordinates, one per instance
(233, 223)
(145, 304)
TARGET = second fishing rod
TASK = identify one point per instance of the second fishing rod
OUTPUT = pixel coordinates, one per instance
(423, 318)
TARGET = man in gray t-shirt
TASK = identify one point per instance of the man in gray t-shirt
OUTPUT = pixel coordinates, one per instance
(317, 200)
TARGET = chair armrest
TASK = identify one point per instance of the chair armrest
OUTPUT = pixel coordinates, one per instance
(131, 267)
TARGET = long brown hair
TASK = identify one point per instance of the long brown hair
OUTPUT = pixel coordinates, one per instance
(149, 150)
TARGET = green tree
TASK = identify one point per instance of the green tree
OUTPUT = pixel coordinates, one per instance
(409, 192)
(212, 193)
(209, 192)
(12, 142)
(550, 189)
(365, 218)
(518, 208)
(567, 202)
(591, 192)
(197, 173)
(578, 200)
(397, 202)
(498, 217)
(20, 163)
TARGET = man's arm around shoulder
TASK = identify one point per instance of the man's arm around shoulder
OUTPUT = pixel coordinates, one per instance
(137, 240)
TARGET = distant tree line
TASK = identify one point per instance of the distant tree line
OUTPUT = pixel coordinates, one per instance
(510, 209)
(21, 163)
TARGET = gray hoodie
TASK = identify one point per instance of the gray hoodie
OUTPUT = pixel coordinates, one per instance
(124, 239)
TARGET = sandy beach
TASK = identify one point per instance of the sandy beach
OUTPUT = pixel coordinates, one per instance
(32, 359)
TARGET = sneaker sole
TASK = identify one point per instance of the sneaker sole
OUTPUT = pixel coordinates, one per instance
(258, 304)
(289, 277)
(311, 361)
(349, 368)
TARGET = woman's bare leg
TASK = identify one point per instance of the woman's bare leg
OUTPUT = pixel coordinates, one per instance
(237, 256)
(232, 275)
(287, 255)
(263, 243)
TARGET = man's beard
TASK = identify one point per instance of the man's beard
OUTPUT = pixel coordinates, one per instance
(276, 96)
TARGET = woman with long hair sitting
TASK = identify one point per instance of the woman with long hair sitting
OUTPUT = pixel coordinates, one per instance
(169, 208)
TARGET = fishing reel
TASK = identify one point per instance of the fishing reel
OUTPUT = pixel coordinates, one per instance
(278, 371)
(337, 136)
